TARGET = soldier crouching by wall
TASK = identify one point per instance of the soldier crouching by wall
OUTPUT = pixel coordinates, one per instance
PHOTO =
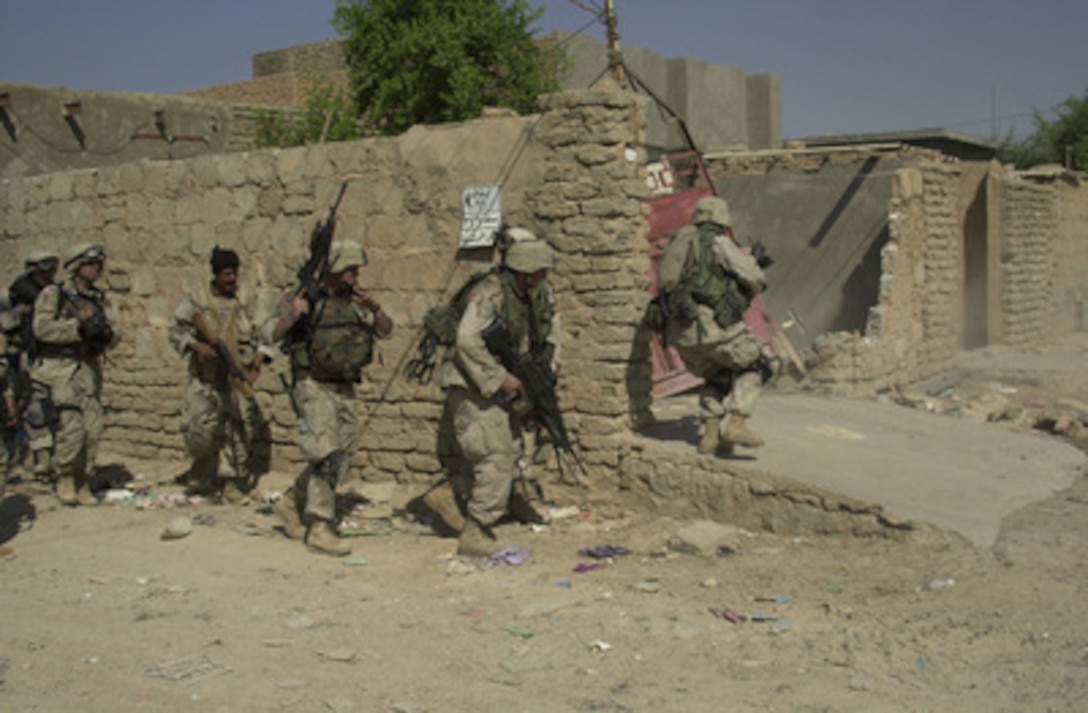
(73, 327)
(329, 342)
(214, 328)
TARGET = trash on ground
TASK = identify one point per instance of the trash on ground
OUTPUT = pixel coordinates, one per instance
(601, 552)
(513, 555)
(728, 614)
(589, 566)
(338, 655)
(519, 631)
(359, 561)
(187, 670)
(564, 513)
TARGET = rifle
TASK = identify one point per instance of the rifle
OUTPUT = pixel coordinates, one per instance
(227, 353)
(316, 267)
(542, 402)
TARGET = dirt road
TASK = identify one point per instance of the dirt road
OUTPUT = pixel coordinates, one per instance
(100, 613)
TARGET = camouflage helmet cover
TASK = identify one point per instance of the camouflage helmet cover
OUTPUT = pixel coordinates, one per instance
(712, 209)
(344, 254)
(43, 260)
(83, 253)
(528, 256)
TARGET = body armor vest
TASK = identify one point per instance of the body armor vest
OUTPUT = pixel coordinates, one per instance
(341, 344)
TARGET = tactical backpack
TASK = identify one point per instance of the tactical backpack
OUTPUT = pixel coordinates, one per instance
(688, 276)
(440, 330)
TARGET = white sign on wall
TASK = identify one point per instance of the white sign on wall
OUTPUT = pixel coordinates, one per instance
(481, 215)
(660, 178)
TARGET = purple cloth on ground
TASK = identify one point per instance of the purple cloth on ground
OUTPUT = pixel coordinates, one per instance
(589, 566)
(512, 555)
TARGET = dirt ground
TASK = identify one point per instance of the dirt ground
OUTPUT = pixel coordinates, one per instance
(102, 614)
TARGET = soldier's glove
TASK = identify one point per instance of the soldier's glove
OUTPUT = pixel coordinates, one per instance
(759, 252)
(96, 334)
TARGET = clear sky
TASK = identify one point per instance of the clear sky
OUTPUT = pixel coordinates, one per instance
(847, 66)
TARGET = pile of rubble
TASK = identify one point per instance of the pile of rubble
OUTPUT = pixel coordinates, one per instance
(997, 403)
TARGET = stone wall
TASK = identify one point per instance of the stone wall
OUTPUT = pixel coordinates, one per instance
(284, 91)
(1029, 221)
(324, 56)
(968, 254)
(572, 173)
(866, 244)
(720, 104)
(1070, 248)
(111, 128)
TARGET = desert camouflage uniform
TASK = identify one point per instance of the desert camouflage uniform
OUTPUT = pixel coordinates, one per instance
(489, 442)
(10, 411)
(23, 292)
(726, 357)
(328, 427)
(218, 423)
(72, 377)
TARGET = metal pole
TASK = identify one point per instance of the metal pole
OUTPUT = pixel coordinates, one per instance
(615, 57)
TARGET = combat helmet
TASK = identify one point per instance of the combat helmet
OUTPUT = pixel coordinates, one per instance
(712, 209)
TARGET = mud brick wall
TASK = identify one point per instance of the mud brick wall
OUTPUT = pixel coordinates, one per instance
(1070, 250)
(911, 331)
(592, 204)
(1029, 221)
(571, 173)
(939, 290)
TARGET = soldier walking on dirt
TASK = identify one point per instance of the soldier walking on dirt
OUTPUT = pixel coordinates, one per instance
(73, 327)
(214, 328)
(708, 283)
(482, 396)
(329, 342)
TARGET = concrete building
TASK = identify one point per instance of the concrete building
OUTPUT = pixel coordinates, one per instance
(721, 105)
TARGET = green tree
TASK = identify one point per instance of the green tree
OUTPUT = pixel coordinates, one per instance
(327, 115)
(432, 61)
(1063, 141)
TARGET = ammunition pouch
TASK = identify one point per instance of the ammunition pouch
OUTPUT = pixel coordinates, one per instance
(42, 412)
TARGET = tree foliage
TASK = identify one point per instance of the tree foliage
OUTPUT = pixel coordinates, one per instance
(432, 61)
(1063, 141)
(327, 115)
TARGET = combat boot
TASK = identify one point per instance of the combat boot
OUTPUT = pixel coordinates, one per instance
(321, 538)
(85, 496)
(737, 432)
(711, 440)
(43, 465)
(476, 540)
(288, 510)
(522, 509)
(232, 494)
(66, 490)
(442, 501)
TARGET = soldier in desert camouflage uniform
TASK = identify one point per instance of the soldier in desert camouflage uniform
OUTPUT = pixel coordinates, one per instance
(73, 327)
(480, 392)
(329, 342)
